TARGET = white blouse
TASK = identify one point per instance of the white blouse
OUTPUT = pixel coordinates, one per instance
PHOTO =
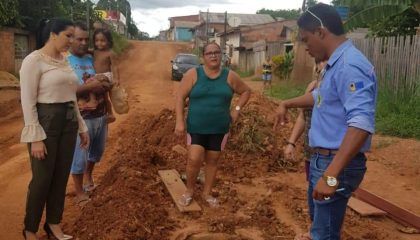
(45, 80)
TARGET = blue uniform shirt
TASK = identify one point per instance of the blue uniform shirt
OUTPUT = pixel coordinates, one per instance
(345, 98)
(83, 66)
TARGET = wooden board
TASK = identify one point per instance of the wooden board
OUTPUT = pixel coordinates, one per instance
(364, 209)
(395, 212)
(176, 188)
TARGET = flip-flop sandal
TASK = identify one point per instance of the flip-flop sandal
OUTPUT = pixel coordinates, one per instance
(89, 187)
(212, 201)
(185, 200)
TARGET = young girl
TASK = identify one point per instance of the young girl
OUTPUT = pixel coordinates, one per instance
(102, 62)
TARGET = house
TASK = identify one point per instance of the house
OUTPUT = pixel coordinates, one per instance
(271, 38)
(181, 27)
(163, 35)
(15, 45)
(213, 23)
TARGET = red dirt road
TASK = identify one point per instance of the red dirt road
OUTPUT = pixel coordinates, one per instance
(145, 71)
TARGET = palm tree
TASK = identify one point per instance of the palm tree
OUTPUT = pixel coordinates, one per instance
(376, 10)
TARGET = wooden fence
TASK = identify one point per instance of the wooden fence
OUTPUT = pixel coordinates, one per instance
(396, 61)
(253, 60)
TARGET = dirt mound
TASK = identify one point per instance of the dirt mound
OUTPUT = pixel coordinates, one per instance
(9, 102)
(132, 202)
(7, 80)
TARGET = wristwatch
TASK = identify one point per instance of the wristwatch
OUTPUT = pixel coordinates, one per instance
(237, 108)
(331, 181)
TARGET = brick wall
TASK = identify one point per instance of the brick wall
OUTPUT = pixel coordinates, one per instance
(7, 48)
(7, 51)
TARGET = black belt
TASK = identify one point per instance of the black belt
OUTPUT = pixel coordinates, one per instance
(324, 151)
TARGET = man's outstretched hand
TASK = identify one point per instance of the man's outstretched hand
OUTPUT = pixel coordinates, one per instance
(280, 117)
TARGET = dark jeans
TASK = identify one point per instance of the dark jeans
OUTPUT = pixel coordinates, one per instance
(328, 215)
(50, 175)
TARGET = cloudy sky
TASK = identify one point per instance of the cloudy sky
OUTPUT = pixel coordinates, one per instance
(151, 16)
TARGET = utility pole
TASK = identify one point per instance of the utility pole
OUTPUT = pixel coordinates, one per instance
(87, 15)
(207, 27)
(224, 35)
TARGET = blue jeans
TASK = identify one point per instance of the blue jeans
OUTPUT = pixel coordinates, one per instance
(327, 215)
(97, 129)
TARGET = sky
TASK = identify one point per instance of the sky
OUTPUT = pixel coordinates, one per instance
(151, 16)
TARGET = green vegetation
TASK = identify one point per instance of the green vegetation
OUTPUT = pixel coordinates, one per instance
(120, 43)
(283, 65)
(383, 17)
(26, 14)
(244, 74)
(398, 116)
(281, 13)
(8, 11)
(286, 90)
(395, 116)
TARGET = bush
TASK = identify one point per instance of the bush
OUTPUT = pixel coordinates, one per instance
(283, 65)
(120, 43)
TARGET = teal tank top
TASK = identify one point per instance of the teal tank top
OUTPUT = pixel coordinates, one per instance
(209, 106)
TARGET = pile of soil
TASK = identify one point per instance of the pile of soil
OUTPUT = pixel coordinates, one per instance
(7, 80)
(9, 103)
(133, 203)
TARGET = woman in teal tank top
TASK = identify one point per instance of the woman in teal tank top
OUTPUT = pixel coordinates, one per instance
(210, 89)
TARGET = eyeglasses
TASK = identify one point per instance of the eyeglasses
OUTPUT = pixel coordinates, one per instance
(315, 16)
(215, 54)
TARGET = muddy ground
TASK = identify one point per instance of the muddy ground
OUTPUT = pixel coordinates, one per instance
(262, 196)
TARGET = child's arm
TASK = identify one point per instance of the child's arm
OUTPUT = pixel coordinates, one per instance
(110, 114)
(114, 68)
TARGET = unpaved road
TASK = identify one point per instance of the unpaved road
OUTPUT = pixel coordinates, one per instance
(145, 71)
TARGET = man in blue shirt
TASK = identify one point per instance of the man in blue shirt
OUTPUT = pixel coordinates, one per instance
(95, 117)
(343, 119)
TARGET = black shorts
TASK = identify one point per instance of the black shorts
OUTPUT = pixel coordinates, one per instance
(211, 142)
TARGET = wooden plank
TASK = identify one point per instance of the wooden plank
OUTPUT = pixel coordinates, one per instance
(176, 188)
(395, 212)
(364, 209)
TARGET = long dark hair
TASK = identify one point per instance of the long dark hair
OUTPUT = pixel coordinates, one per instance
(107, 35)
(46, 27)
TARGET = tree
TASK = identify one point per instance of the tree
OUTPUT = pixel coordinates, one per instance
(281, 13)
(400, 24)
(8, 12)
(310, 3)
(375, 11)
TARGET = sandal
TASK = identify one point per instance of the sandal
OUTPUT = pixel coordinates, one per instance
(89, 187)
(185, 200)
(212, 201)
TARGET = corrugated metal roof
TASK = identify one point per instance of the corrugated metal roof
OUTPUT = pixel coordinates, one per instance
(245, 19)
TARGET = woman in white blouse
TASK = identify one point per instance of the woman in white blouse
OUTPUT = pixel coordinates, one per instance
(52, 122)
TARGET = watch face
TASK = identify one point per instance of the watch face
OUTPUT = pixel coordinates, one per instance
(332, 182)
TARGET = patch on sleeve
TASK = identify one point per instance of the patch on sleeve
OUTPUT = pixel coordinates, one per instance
(354, 86)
